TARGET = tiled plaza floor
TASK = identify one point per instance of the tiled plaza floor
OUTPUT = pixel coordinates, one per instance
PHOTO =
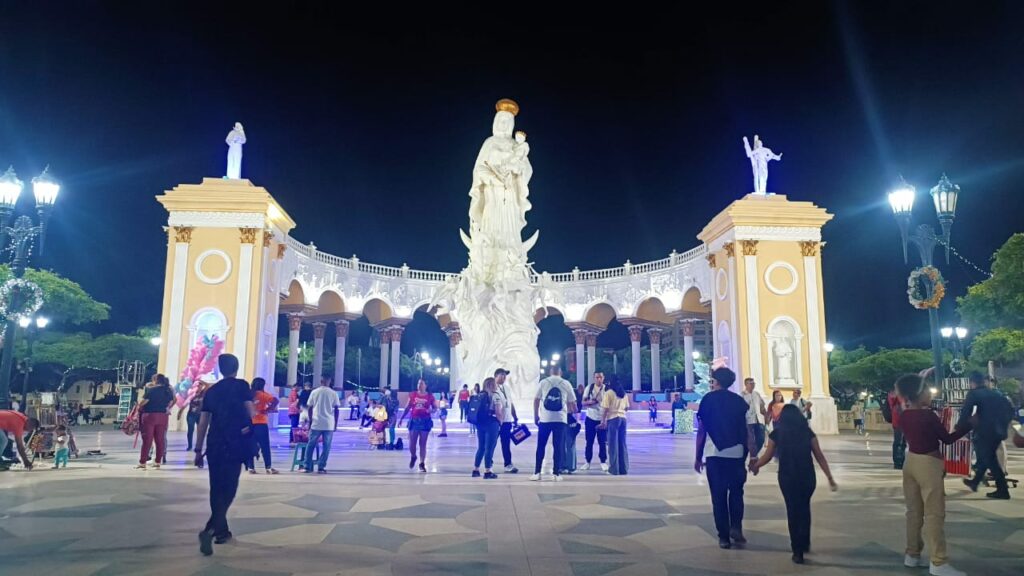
(371, 516)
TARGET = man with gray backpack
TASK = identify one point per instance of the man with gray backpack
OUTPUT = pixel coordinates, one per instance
(554, 402)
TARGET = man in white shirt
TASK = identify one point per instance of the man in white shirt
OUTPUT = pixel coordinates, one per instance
(353, 405)
(510, 419)
(592, 404)
(756, 414)
(554, 402)
(323, 417)
(799, 402)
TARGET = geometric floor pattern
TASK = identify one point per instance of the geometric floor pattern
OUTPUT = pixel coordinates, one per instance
(372, 516)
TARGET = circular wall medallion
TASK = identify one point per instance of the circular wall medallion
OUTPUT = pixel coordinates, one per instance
(216, 270)
(787, 268)
(721, 284)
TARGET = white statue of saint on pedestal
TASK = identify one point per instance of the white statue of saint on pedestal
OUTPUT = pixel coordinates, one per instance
(235, 140)
(783, 352)
(759, 157)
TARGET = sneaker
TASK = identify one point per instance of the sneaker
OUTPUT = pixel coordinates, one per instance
(322, 471)
(475, 474)
(915, 561)
(970, 484)
(412, 463)
(724, 544)
(945, 570)
(798, 557)
(140, 466)
(558, 478)
(586, 466)
(271, 471)
(206, 543)
(737, 537)
(999, 495)
(252, 470)
(490, 476)
(510, 469)
(156, 465)
(223, 538)
(423, 467)
(534, 477)
(604, 466)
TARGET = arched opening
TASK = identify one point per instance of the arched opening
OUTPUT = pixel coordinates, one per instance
(653, 310)
(330, 303)
(693, 304)
(599, 315)
(546, 312)
(296, 296)
(377, 311)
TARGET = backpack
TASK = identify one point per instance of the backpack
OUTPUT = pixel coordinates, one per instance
(131, 424)
(480, 410)
(553, 399)
(886, 411)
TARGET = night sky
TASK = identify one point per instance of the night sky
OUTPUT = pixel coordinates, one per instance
(365, 128)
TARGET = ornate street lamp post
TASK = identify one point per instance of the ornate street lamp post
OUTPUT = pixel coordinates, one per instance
(31, 326)
(944, 196)
(19, 239)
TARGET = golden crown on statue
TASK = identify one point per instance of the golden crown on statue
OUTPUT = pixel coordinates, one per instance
(507, 105)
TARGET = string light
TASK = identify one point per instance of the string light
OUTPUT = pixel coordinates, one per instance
(964, 259)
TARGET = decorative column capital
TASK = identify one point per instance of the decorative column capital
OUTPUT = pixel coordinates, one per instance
(294, 322)
(635, 332)
(319, 329)
(655, 335)
(341, 328)
(183, 234)
(809, 248)
(591, 339)
(248, 235)
(749, 247)
(730, 249)
(580, 334)
(688, 328)
(396, 333)
(280, 251)
(268, 239)
(385, 336)
(711, 260)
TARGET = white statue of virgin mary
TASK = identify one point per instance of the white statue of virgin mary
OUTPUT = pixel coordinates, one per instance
(501, 177)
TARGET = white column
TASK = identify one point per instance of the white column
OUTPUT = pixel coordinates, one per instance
(182, 237)
(815, 345)
(454, 339)
(242, 298)
(654, 334)
(688, 330)
(385, 347)
(581, 366)
(591, 356)
(735, 362)
(396, 355)
(294, 325)
(635, 332)
(753, 313)
(319, 330)
(340, 334)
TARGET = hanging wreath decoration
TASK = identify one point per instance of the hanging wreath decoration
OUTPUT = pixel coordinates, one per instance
(917, 288)
(957, 366)
(19, 299)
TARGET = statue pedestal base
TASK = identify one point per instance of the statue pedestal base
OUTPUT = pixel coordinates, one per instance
(824, 415)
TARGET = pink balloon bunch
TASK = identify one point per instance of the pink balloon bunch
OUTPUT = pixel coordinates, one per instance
(201, 361)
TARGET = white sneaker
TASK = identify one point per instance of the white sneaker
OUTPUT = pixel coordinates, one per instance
(586, 466)
(912, 562)
(604, 466)
(535, 477)
(558, 478)
(945, 570)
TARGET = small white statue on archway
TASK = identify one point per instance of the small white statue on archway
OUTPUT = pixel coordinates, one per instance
(759, 156)
(235, 140)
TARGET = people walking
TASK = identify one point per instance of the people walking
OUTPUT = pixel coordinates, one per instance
(323, 421)
(390, 403)
(796, 443)
(294, 410)
(509, 420)
(724, 440)
(263, 404)
(857, 412)
(490, 413)
(463, 402)
(652, 409)
(803, 405)
(422, 405)
(153, 409)
(614, 405)
(989, 413)
(572, 430)
(592, 396)
(775, 408)
(756, 413)
(442, 414)
(923, 473)
(195, 409)
(554, 401)
(227, 416)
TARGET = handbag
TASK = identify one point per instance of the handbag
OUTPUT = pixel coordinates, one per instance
(519, 434)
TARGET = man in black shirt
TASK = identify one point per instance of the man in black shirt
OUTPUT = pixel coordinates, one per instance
(227, 416)
(991, 412)
(722, 418)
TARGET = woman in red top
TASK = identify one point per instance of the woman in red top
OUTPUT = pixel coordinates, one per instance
(923, 472)
(775, 407)
(293, 411)
(263, 404)
(422, 405)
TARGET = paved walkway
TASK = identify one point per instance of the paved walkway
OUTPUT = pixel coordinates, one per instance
(371, 515)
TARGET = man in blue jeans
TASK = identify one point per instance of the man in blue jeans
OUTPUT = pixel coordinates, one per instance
(722, 418)
(323, 419)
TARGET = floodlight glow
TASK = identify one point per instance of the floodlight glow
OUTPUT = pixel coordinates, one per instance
(156, 340)
(437, 361)
(42, 322)
(946, 331)
(544, 363)
(961, 332)
(696, 355)
(829, 347)
(556, 356)
(901, 200)
(45, 189)
(10, 189)
(425, 356)
(24, 321)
